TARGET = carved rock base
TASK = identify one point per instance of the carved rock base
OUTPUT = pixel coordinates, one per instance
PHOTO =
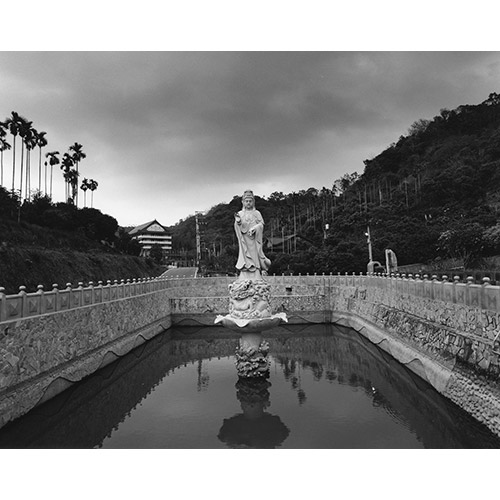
(251, 356)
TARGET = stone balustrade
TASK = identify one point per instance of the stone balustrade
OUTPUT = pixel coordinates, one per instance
(25, 304)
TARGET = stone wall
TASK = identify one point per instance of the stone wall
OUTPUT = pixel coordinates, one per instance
(42, 355)
(446, 332)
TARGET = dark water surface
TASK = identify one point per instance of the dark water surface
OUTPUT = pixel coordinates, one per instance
(329, 388)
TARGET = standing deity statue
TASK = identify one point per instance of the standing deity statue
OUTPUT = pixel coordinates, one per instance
(250, 295)
(249, 228)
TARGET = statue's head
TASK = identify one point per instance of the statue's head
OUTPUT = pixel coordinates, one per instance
(248, 199)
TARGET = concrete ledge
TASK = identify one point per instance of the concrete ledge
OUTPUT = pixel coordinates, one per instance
(20, 399)
(434, 372)
(477, 395)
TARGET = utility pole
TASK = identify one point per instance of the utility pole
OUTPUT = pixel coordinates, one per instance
(198, 239)
(294, 228)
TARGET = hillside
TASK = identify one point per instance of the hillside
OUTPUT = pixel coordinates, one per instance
(43, 244)
(431, 196)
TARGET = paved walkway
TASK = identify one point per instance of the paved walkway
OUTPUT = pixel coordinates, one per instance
(180, 272)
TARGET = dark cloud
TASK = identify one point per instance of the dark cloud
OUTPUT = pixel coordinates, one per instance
(168, 133)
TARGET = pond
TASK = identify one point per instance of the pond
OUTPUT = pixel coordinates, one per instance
(329, 388)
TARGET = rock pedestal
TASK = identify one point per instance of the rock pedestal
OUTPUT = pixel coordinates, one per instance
(250, 314)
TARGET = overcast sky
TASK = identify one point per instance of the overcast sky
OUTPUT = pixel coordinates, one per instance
(170, 133)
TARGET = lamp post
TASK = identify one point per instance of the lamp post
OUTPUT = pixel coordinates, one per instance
(371, 264)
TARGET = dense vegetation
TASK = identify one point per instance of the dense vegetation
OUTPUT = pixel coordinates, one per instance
(431, 196)
(42, 242)
(46, 243)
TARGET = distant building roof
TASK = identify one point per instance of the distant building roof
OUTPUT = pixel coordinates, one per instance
(145, 226)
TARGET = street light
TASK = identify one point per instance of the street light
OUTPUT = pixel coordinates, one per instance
(369, 241)
(371, 264)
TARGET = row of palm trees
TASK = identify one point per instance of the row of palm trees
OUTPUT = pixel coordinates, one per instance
(18, 126)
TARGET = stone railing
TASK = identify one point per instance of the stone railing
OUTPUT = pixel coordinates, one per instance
(26, 304)
(468, 293)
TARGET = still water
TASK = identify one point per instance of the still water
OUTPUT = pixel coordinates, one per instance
(328, 388)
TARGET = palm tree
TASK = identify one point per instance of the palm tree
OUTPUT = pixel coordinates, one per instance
(41, 142)
(4, 146)
(30, 141)
(92, 186)
(13, 124)
(66, 164)
(84, 187)
(78, 155)
(3, 133)
(53, 160)
(71, 177)
(23, 131)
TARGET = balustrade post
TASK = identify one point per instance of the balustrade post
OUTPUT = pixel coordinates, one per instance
(41, 300)
(55, 291)
(22, 293)
(484, 299)
(98, 295)
(3, 305)
(69, 288)
(92, 292)
(79, 294)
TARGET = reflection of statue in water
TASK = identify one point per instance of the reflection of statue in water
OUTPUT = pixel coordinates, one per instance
(249, 227)
(254, 428)
(250, 295)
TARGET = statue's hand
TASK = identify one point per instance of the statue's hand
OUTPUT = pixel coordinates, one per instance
(251, 231)
(237, 218)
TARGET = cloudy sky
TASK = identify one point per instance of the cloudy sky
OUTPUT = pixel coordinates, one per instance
(170, 133)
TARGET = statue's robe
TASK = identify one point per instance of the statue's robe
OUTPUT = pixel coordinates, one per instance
(251, 254)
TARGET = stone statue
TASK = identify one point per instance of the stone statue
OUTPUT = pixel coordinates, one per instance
(250, 295)
(249, 227)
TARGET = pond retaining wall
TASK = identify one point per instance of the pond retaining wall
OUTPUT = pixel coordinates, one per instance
(445, 331)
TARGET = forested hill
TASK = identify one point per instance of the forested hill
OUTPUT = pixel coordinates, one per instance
(433, 194)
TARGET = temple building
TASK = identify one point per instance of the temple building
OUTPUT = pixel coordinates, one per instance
(149, 234)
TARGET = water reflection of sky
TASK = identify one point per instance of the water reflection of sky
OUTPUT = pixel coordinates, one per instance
(330, 388)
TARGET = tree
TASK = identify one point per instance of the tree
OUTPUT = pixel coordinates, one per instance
(92, 186)
(41, 142)
(13, 124)
(418, 127)
(31, 141)
(156, 253)
(491, 238)
(66, 165)
(465, 242)
(4, 146)
(25, 134)
(53, 160)
(9, 203)
(84, 187)
(78, 155)
(71, 177)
